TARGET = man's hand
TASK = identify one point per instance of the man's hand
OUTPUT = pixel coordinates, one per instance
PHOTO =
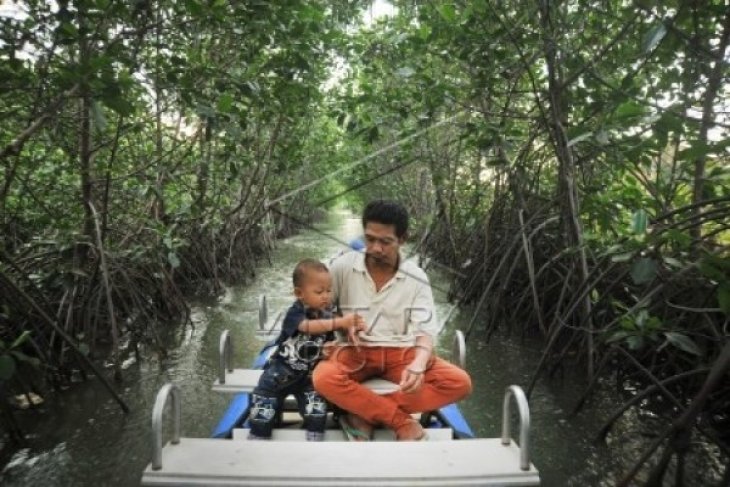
(412, 379)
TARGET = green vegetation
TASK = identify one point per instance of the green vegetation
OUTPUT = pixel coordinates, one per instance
(568, 160)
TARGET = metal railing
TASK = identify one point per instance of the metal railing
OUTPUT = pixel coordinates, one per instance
(157, 411)
(263, 312)
(523, 410)
(225, 356)
(458, 349)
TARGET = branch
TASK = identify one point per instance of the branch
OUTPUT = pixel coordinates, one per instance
(14, 147)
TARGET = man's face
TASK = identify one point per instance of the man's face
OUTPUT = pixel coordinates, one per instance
(381, 244)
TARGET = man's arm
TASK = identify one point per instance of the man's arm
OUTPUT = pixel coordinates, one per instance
(424, 323)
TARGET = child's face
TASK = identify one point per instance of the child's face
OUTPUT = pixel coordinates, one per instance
(316, 290)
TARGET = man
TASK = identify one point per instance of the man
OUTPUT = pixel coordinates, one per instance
(394, 297)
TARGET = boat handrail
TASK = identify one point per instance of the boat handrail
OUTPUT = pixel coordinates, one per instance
(225, 356)
(524, 412)
(458, 349)
(157, 411)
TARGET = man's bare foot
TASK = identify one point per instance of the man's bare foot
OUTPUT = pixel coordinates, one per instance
(411, 431)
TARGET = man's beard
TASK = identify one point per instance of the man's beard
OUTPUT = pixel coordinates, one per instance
(382, 261)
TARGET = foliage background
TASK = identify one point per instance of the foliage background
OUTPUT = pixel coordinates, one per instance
(567, 161)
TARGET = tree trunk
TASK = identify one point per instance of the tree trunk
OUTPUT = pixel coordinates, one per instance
(715, 78)
(158, 206)
(567, 191)
(85, 132)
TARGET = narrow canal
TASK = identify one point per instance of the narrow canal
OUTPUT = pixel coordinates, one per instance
(83, 439)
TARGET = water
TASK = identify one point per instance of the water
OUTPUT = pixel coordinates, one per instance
(84, 439)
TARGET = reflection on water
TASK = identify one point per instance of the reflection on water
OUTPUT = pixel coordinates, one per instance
(83, 439)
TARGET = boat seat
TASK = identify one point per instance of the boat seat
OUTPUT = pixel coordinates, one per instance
(245, 380)
(236, 381)
(381, 434)
(197, 462)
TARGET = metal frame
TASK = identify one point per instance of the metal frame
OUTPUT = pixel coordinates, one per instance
(157, 412)
(263, 311)
(524, 411)
(225, 356)
(458, 349)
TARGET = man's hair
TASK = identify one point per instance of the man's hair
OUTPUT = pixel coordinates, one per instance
(388, 213)
(303, 267)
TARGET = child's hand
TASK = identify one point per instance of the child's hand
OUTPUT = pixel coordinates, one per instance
(359, 323)
(355, 323)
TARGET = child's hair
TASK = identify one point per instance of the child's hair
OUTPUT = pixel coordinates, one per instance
(304, 266)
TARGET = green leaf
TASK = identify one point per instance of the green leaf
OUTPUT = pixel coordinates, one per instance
(225, 102)
(118, 104)
(710, 270)
(678, 237)
(696, 150)
(448, 12)
(653, 38)
(21, 339)
(205, 111)
(173, 259)
(638, 222)
(424, 31)
(194, 8)
(669, 122)
(683, 342)
(643, 270)
(625, 257)
(602, 137)
(618, 335)
(579, 138)
(7, 367)
(653, 323)
(629, 109)
(405, 72)
(635, 342)
(723, 297)
(673, 262)
(372, 134)
(69, 31)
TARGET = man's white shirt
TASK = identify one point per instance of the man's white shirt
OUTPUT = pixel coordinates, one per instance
(396, 314)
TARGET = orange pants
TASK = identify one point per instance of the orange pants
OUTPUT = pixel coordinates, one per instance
(338, 379)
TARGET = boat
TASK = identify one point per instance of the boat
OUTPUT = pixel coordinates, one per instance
(452, 456)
